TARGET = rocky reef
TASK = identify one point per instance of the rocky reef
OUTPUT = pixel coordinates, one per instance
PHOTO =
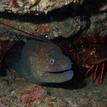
(36, 6)
(79, 29)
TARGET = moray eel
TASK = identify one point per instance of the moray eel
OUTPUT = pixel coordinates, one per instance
(39, 62)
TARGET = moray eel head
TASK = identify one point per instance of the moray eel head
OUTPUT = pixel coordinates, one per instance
(42, 62)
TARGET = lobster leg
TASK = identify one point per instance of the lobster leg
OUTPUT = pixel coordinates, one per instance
(94, 74)
(101, 74)
(92, 66)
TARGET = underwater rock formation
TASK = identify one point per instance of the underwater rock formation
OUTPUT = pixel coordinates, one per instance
(35, 6)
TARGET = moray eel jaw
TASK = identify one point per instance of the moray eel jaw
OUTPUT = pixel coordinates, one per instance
(58, 77)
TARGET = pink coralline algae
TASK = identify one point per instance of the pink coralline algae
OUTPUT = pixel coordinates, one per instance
(31, 95)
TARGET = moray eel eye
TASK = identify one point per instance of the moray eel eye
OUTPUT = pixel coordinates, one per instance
(52, 61)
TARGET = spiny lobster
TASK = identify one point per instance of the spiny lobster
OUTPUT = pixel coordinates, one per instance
(90, 53)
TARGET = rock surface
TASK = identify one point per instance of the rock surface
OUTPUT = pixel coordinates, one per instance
(24, 94)
(35, 6)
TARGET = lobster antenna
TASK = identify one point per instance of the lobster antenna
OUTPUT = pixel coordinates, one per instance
(32, 35)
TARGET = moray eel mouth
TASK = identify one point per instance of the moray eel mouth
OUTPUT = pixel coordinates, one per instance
(58, 72)
(59, 76)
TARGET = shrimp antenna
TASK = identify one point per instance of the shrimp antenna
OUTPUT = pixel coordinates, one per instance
(26, 33)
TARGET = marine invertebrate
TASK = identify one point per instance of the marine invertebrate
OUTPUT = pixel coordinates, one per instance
(92, 61)
(90, 53)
